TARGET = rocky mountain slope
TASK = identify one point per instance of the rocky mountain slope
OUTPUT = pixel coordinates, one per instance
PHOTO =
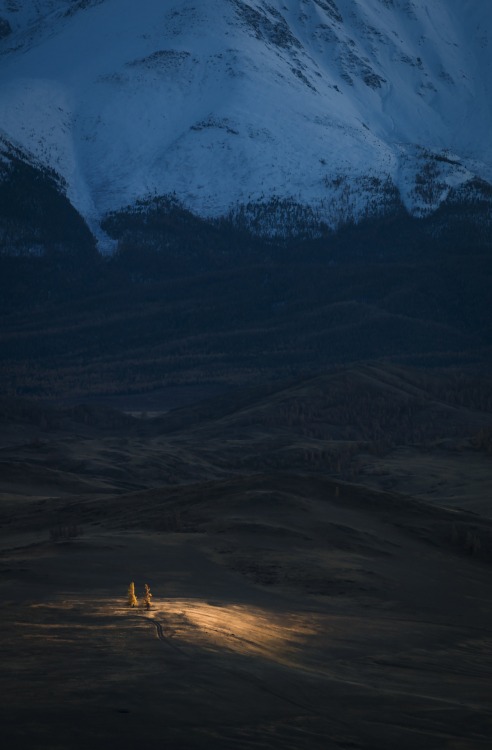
(277, 114)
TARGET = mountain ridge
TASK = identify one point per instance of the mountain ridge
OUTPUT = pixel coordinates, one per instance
(344, 109)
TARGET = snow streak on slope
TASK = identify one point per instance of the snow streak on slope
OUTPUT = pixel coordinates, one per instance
(338, 106)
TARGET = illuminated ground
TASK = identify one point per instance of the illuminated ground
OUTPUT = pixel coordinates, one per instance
(219, 662)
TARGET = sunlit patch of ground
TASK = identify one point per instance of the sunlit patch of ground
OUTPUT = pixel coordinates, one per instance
(188, 623)
(185, 624)
(239, 628)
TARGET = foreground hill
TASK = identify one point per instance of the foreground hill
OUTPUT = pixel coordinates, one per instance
(319, 555)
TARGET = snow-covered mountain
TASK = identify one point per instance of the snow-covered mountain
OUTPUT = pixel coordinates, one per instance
(337, 108)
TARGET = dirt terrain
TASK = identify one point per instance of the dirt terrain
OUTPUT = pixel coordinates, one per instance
(320, 579)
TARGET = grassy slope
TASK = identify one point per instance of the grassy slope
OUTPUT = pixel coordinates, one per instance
(298, 603)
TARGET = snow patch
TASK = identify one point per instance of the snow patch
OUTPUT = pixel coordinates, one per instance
(344, 108)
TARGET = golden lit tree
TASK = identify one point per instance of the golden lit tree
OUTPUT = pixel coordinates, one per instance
(147, 596)
(131, 599)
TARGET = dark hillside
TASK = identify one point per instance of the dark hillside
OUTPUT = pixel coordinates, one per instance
(36, 217)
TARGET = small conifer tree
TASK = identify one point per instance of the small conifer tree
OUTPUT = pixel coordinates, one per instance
(147, 596)
(131, 599)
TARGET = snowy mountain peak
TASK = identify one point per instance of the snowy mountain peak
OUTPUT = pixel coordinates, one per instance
(342, 108)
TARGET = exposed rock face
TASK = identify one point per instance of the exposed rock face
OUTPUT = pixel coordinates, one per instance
(5, 28)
